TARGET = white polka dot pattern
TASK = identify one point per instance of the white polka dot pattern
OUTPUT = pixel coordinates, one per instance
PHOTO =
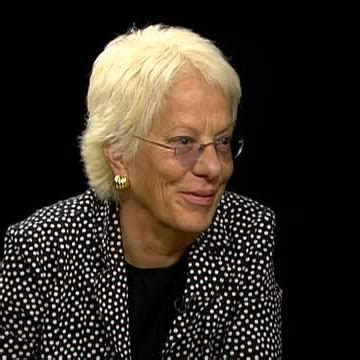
(64, 286)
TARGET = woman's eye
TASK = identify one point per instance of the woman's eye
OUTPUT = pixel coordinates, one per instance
(225, 140)
(183, 140)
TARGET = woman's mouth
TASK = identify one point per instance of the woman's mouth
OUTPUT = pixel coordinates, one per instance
(200, 198)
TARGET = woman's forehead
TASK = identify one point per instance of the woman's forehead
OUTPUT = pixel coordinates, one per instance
(190, 92)
(195, 105)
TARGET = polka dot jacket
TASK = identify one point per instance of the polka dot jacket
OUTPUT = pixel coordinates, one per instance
(64, 286)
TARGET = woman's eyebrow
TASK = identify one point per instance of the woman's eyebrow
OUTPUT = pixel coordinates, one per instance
(225, 129)
(179, 126)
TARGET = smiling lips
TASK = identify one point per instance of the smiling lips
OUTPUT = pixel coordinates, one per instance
(201, 198)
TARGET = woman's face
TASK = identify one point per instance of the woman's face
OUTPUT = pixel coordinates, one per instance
(162, 189)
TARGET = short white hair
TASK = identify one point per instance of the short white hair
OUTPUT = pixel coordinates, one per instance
(128, 84)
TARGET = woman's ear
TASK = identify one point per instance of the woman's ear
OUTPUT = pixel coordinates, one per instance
(115, 161)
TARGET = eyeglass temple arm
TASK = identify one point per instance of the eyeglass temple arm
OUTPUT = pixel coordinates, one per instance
(241, 142)
(155, 143)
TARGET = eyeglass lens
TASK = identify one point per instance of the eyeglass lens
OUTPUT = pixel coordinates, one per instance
(188, 154)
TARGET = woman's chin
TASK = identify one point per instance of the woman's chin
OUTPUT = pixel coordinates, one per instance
(195, 223)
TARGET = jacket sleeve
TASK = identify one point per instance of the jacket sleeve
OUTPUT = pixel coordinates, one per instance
(20, 301)
(257, 321)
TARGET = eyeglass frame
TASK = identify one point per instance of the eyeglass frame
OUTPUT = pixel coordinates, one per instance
(201, 147)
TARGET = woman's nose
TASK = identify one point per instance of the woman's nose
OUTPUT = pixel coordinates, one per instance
(208, 163)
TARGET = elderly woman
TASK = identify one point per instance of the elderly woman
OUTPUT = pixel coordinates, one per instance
(156, 259)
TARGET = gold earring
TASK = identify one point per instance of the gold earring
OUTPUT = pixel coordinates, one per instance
(122, 183)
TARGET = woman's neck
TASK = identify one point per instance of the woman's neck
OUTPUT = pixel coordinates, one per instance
(148, 243)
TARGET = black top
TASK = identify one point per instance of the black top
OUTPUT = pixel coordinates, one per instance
(152, 296)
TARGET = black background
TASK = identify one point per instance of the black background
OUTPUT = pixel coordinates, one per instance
(46, 62)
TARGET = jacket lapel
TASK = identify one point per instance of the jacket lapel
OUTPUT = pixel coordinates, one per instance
(111, 296)
(206, 277)
(110, 284)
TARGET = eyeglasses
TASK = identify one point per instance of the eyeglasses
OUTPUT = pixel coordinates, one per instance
(187, 150)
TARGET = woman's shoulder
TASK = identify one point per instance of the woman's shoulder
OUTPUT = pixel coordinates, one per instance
(234, 205)
(58, 215)
(241, 225)
(240, 217)
(51, 239)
